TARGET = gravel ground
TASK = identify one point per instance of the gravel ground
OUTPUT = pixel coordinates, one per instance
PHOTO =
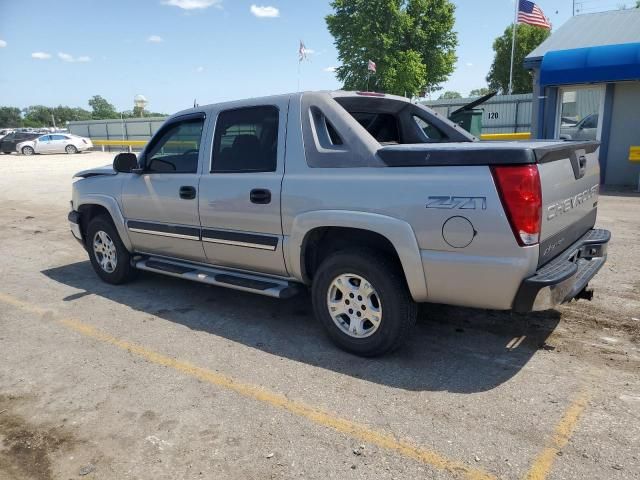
(165, 379)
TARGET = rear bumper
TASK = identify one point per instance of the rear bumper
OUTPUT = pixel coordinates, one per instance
(566, 276)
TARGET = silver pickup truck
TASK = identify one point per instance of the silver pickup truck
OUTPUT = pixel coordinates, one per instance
(374, 202)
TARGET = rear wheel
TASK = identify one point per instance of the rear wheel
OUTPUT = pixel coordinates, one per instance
(363, 302)
(109, 257)
(70, 149)
(28, 150)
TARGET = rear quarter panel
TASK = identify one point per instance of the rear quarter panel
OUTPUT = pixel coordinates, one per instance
(484, 273)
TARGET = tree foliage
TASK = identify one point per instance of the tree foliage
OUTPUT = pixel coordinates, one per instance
(10, 117)
(102, 109)
(528, 38)
(36, 116)
(449, 95)
(411, 41)
(480, 92)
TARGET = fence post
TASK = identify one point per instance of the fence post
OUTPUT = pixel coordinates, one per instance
(516, 120)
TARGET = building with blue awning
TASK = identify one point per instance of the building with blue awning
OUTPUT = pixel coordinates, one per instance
(587, 87)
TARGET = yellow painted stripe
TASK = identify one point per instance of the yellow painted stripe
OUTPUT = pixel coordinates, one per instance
(506, 136)
(132, 143)
(634, 153)
(315, 415)
(541, 466)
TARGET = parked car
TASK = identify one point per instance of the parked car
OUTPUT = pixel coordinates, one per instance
(5, 131)
(54, 143)
(9, 142)
(374, 202)
(585, 129)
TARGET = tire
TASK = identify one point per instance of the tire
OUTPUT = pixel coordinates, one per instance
(390, 301)
(71, 149)
(109, 257)
(28, 150)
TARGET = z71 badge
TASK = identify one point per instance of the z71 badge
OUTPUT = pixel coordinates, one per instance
(463, 203)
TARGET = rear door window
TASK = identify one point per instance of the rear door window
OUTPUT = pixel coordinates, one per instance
(246, 140)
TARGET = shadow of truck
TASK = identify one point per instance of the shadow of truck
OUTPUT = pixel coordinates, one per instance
(452, 349)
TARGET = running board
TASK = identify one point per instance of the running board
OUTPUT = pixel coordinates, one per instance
(262, 285)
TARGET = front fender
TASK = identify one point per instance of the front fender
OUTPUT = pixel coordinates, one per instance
(398, 232)
(111, 205)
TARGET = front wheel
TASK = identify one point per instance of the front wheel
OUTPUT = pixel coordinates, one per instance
(71, 149)
(109, 257)
(363, 302)
(28, 151)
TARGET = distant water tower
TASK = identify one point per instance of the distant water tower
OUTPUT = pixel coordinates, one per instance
(140, 101)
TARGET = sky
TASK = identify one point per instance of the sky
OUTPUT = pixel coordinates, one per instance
(175, 51)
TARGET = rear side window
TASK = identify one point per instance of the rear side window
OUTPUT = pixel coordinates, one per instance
(246, 140)
(176, 148)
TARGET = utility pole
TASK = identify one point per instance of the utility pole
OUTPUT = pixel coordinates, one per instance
(513, 44)
(53, 119)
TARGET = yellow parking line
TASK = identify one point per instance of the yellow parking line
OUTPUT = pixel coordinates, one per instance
(315, 415)
(561, 436)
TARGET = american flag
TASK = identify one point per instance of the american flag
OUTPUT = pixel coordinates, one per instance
(371, 66)
(529, 12)
(302, 52)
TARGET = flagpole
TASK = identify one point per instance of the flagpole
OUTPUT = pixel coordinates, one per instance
(299, 63)
(513, 44)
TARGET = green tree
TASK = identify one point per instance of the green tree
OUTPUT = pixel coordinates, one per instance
(102, 109)
(480, 92)
(37, 116)
(10, 117)
(411, 41)
(64, 114)
(528, 37)
(449, 95)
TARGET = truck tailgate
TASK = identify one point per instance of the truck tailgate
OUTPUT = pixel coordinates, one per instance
(569, 177)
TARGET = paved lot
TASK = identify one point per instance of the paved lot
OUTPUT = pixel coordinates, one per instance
(162, 379)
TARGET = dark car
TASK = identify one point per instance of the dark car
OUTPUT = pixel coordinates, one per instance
(8, 143)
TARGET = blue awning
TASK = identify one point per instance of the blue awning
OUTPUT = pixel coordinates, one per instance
(606, 63)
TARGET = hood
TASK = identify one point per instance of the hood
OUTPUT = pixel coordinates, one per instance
(92, 172)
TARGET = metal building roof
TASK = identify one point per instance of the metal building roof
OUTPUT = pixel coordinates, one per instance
(590, 30)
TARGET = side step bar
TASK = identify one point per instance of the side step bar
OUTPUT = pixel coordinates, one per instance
(262, 285)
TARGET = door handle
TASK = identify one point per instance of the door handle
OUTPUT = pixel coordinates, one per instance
(187, 192)
(260, 195)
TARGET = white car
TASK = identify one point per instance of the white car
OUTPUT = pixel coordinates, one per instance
(54, 143)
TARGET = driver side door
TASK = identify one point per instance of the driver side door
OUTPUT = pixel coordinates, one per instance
(161, 204)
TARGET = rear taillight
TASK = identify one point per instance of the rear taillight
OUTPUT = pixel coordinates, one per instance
(521, 195)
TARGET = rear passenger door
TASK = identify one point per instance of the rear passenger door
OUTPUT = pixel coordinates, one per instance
(240, 191)
(58, 143)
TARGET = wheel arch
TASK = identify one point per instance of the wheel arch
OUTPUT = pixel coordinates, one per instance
(371, 229)
(94, 205)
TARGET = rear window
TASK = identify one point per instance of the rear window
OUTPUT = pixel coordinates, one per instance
(381, 126)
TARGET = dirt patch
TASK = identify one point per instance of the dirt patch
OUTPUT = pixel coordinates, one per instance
(25, 449)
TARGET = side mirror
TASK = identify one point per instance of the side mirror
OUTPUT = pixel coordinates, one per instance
(125, 162)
